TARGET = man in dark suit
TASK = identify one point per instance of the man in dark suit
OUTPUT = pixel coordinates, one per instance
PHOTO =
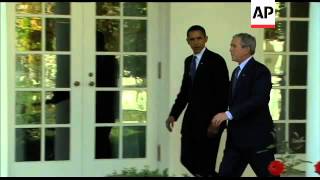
(250, 135)
(204, 91)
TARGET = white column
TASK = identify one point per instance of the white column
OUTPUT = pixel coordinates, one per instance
(313, 92)
(3, 92)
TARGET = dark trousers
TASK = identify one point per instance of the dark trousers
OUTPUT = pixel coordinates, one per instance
(235, 161)
(199, 155)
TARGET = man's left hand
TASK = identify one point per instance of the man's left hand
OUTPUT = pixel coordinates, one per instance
(219, 118)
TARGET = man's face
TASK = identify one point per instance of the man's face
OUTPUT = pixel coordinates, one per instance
(196, 41)
(238, 53)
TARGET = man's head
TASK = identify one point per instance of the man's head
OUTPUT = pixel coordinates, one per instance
(196, 38)
(242, 46)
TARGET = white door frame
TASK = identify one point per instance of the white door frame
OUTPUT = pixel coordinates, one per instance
(8, 166)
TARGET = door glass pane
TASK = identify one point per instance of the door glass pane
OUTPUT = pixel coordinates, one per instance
(299, 36)
(275, 39)
(297, 134)
(299, 9)
(28, 71)
(297, 104)
(134, 71)
(58, 107)
(134, 142)
(57, 71)
(107, 142)
(280, 135)
(135, 9)
(28, 8)
(135, 36)
(28, 108)
(108, 9)
(277, 104)
(277, 67)
(107, 106)
(28, 34)
(108, 35)
(28, 144)
(57, 144)
(298, 70)
(57, 34)
(281, 9)
(107, 69)
(134, 106)
(61, 8)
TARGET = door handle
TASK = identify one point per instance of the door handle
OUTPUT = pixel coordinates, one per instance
(76, 83)
(91, 83)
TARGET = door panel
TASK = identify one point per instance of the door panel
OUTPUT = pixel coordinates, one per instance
(47, 118)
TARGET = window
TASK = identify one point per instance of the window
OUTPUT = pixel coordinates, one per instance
(285, 54)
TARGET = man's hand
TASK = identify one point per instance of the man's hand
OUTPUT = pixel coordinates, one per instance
(219, 118)
(170, 123)
(216, 121)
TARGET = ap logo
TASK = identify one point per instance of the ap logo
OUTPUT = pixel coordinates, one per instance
(262, 13)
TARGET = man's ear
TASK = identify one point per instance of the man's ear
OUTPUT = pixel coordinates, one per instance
(187, 41)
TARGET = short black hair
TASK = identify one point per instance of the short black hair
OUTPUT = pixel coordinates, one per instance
(197, 28)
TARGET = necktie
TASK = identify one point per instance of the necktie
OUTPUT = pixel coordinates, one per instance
(235, 78)
(193, 67)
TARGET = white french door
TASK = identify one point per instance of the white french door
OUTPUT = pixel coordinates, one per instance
(82, 88)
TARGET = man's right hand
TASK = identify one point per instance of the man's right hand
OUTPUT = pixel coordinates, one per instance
(170, 123)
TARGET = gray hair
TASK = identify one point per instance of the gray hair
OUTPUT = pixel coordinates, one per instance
(247, 40)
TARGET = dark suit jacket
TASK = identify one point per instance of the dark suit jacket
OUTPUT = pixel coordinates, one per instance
(205, 97)
(252, 123)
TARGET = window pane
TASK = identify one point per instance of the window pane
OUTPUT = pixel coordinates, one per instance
(28, 108)
(298, 70)
(108, 9)
(299, 9)
(135, 9)
(107, 142)
(275, 39)
(277, 67)
(28, 71)
(135, 35)
(281, 9)
(62, 8)
(107, 69)
(280, 135)
(108, 35)
(57, 71)
(107, 106)
(28, 8)
(28, 144)
(297, 104)
(57, 34)
(28, 34)
(57, 144)
(58, 107)
(134, 106)
(297, 137)
(134, 71)
(277, 104)
(134, 142)
(299, 36)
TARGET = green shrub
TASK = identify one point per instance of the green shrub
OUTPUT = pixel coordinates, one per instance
(145, 172)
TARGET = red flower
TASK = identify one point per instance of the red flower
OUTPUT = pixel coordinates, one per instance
(276, 167)
(317, 167)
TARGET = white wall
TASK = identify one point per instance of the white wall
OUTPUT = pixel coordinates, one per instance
(221, 21)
